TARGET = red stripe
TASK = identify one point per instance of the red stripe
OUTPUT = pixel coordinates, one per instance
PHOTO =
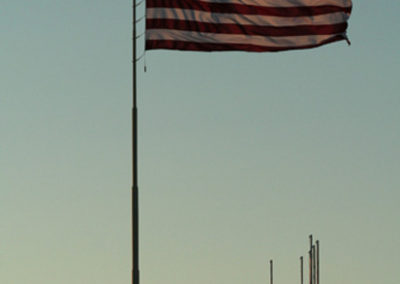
(245, 29)
(198, 46)
(229, 8)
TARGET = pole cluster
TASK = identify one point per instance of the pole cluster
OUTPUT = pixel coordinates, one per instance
(313, 261)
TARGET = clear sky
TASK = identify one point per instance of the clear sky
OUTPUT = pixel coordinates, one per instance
(242, 155)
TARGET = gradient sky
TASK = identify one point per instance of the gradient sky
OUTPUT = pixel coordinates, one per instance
(242, 155)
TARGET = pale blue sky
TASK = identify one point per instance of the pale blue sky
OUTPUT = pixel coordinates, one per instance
(242, 155)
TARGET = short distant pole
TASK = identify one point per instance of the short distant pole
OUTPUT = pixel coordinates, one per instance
(301, 270)
(310, 260)
(271, 272)
(314, 265)
(317, 262)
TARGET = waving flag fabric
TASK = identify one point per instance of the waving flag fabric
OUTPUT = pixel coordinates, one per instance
(247, 25)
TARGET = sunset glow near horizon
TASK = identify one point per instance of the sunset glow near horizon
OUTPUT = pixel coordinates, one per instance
(241, 155)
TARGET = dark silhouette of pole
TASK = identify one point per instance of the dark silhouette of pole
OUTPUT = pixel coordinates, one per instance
(310, 260)
(271, 272)
(135, 188)
(314, 265)
(317, 257)
(301, 270)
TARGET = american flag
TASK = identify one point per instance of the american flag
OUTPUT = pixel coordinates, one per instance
(247, 25)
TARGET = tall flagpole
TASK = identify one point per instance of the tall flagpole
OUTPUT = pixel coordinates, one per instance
(135, 189)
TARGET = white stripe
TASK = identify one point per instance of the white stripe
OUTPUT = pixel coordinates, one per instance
(240, 19)
(290, 41)
(284, 3)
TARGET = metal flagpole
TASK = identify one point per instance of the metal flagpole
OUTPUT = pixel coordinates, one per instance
(135, 188)
(310, 261)
(317, 262)
(271, 272)
(301, 270)
(313, 265)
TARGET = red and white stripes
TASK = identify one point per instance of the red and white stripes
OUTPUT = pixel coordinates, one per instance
(248, 25)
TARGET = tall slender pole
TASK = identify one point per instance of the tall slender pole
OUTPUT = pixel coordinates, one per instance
(301, 270)
(271, 272)
(135, 188)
